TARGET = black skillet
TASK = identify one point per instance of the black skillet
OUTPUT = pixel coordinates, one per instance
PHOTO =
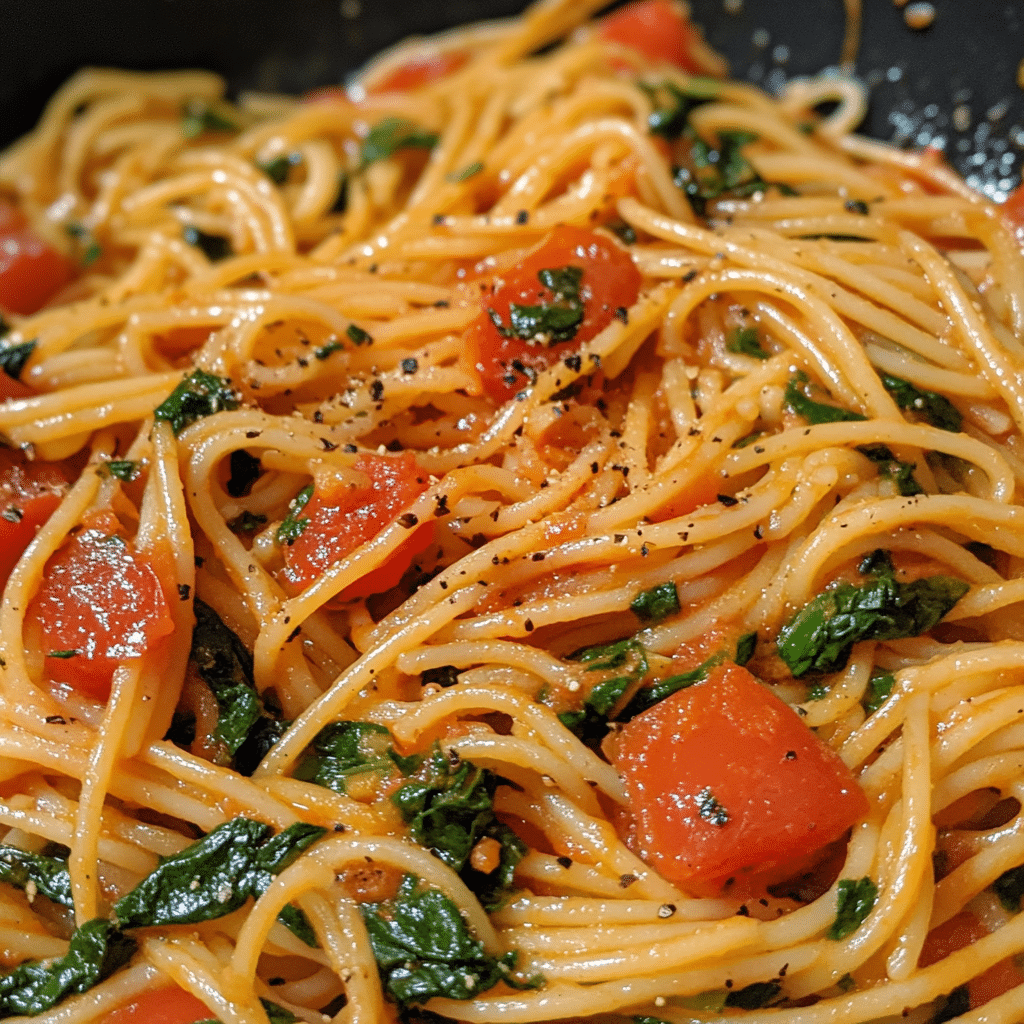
(954, 83)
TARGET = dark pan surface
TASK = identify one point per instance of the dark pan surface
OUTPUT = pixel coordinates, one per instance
(968, 58)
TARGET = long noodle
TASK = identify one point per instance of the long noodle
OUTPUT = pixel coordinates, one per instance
(818, 380)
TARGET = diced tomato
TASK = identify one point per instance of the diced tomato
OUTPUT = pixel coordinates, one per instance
(341, 518)
(958, 933)
(100, 602)
(724, 778)
(29, 492)
(169, 1005)
(30, 270)
(420, 71)
(610, 283)
(659, 30)
(703, 491)
(1013, 212)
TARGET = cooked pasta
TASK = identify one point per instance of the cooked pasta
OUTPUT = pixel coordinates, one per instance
(534, 535)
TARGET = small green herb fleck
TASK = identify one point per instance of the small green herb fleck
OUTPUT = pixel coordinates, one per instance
(64, 655)
(199, 117)
(469, 171)
(1009, 887)
(277, 170)
(214, 247)
(246, 522)
(879, 688)
(122, 469)
(745, 647)
(710, 809)
(392, 134)
(14, 357)
(358, 336)
(291, 529)
(932, 407)
(89, 249)
(854, 902)
(743, 341)
(325, 351)
(846, 983)
(812, 411)
(754, 997)
(48, 875)
(556, 319)
(199, 394)
(657, 603)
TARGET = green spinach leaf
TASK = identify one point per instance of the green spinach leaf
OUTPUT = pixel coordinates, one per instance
(36, 872)
(449, 808)
(198, 117)
(901, 473)
(14, 357)
(213, 247)
(294, 523)
(387, 137)
(1009, 887)
(657, 603)
(755, 996)
(96, 950)
(216, 875)
(934, 408)
(812, 411)
(556, 319)
(744, 341)
(343, 749)
(821, 635)
(423, 948)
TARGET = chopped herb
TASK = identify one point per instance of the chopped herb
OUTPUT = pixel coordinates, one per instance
(47, 875)
(854, 903)
(224, 663)
(199, 394)
(245, 471)
(449, 809)
(95, 951)
(557, 319)
(444, 676)
(889, 467)
(745, 647)
(846, 983)
(324, 351)
(246, 522)
(214, 247)
(198, 117)
(743, 341)
(956, 1004)
(754, 997)
(277, 170)
(650, 695)
(715, 172)
(341, 750)
(216, 875)
(14, 357)
(291, 529)
(929, 405)
(818, 692)
(467, 172)
(672, 106)
(657, 603)
(623, 231)
(341, 199)
(812, 411)
(1009, 887)
(89, 249)
(627, 659)
(392, 134)
(13, 514)
(820, 636)
(878, 690)
(423, 948)
(123, 469)
(64, 655)
(748, 439)
(358, 336)
(277, 1014)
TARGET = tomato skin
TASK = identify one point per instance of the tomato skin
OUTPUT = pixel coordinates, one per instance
(169, 1005)
(958, 933)
(785, 793)
(420, 71)
(657, 29)
(610, 282)
(103, 599)
(30, 270)
(342, 518)
(29, 493)
(1013, 212)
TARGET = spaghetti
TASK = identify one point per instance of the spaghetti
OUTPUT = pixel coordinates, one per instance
(533, 536)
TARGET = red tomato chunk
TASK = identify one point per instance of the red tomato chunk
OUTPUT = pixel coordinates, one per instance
(610, 283)
(657, 29)
(170, 1005)
(100, 602)
(342, 518)
(420, 71)
(30, 270)
(29, 493)
(723, 777)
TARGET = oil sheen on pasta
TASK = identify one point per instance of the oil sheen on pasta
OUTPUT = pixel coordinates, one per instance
(532, 536)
